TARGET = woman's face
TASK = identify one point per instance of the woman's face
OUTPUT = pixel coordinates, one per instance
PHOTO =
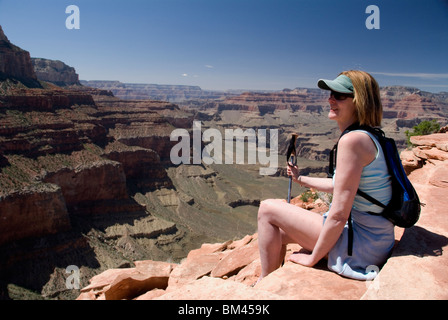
(342, 108)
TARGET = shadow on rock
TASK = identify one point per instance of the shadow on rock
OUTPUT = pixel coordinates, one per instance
(420, 242)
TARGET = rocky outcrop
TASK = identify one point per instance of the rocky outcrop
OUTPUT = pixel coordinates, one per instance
(428, 148)
(226, 271)
(55, 71)
(14, 61)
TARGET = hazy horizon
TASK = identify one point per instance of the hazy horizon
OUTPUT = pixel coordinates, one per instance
(244, 89)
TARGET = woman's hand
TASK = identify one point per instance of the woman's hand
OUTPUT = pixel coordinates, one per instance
(304, 258)
(292, 171)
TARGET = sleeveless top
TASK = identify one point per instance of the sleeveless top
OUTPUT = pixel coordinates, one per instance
(373, 236)
(375, 181)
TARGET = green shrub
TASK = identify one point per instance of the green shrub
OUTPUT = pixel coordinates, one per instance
(308, 195)
(423, 128)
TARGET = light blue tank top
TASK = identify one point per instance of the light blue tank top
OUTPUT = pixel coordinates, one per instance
(375, 181)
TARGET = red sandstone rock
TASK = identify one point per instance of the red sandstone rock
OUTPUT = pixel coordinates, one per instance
(208, 288)
(233, 262)
(249, 274)
(128, 283)
(410, 161)
(45, 100)
(436, 153)
(431, 140)
(208, 248)
(439, 177)
(293, 281)
(193, 268)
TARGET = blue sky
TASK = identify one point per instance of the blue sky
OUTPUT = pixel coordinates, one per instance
(237, 44)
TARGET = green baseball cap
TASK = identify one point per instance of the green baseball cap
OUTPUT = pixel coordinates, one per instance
(342, 84)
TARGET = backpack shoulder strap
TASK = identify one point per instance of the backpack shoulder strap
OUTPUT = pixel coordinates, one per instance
(333, 152)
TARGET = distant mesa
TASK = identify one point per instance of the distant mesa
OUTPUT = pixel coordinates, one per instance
(162, 92)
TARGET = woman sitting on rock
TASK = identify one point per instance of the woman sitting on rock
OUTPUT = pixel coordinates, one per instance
(354, 98)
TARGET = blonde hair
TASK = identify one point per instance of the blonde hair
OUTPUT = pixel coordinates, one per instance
(369, 110)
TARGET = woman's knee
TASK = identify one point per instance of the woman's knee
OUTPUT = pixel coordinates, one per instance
(267, 208)
(263, 209)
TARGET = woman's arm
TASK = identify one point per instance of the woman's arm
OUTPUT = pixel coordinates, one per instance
(354, 152)
(321, 184)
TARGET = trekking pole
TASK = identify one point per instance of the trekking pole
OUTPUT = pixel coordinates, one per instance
(291, 157)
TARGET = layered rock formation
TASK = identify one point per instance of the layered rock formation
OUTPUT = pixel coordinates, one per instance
(225, 271)
(55, 71)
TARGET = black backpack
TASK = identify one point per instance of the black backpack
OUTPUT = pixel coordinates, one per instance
(403, 210)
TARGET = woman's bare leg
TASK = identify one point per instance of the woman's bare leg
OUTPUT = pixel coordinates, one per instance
(280, 223)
